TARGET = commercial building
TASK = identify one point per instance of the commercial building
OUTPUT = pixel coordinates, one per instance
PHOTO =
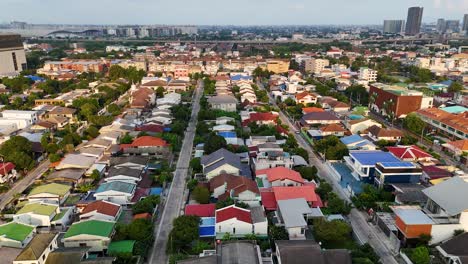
(12, 56)
(393, 26)
(413, 22)
(278, 66)
(454, 126)
(452, 26)
(396, 101)
(465, 24)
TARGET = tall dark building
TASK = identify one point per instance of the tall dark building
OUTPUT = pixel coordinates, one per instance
(465, 23)
(413, 22)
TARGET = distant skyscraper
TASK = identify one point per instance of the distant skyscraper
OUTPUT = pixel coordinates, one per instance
(452, 25)
(413, 22)
(393, 26)
(465, 23)
(440, 25)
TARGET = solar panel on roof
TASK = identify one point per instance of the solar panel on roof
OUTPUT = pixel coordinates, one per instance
(397, 164)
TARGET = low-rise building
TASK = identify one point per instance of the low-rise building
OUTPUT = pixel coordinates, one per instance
(223, 102)
(101, 210)
(293, 214)
(16, 235)
(454, 126)
(52, 193)
(240, 222)
(95, 234)
(116, 192)
(38, 249)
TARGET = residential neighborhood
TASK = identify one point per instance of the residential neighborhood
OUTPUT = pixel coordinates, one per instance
(234, 144)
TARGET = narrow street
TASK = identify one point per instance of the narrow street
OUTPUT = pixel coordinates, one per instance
(175, 198)
(22, 184)
(363, 230)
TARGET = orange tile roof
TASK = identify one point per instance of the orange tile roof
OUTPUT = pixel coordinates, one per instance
(307, 110)
(460, 144)
(146, 141)
(332, 128)
(459, 122)
(281, 173)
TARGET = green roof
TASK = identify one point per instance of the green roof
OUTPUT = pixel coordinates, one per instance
(53, 188)
(60, 215)
(119, 247)
(15, 231)
(38, 208)
(91, 227)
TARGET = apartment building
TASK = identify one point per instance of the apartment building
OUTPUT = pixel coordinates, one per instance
(278, 66)
(12, 56)
(367, 74)
(314, 65)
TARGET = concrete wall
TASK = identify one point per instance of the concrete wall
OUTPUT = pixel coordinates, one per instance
(295, 233)
(241, 228)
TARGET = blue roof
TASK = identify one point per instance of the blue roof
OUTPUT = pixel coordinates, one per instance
(370, 158)
(240, 77)
(35, 78)
(455, 109)
(167, 129)
(401, 164)
(207, 227)
(227, 134)
(208, 221)
(448, 82)
(351, 139)
(156, 191)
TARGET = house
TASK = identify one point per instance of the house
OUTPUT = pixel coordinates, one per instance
(101, 210)
(239, 188)
(43, 126)
(223, 102)
(239, 222)
(121, 247)
(220, 161)
(78, 255)
(377, 133)
(307, 192)
(260, 119)
(271, 155)
(36, 214)
(397, 172)
(279, 176)
(201, 210)
(445, 211)
(362, 163)
(131, 162)
(410, 153)
(454, 250)
(52, 193)
(433, 172)
(358, 126)
(318, 118)
(233, 251)
(38, 249)
(7, 172)
(303, 251)
(142, 97)
(305, 98)
(223, 128)
(16, 235)
(307, 110)
(294, 214)
(60, 111)
(21, 118)
(147, 145)
(76, 161)
(338, 107)
(116, 192)
(95, 234)
(124, 174)
(458, 148)
(453, 126)
(223, 120)
(332, 130)
(67, 176)
(356, 142)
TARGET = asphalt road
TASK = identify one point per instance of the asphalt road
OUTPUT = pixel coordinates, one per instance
(364, 231)
(22, 184)
(175, 197)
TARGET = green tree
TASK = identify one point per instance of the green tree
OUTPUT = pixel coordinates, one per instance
(201, 194)
(308, 173)
(213, 143)
(127, 139)
(335, 205)
(18, 150)
(455, 87)
(114, 109)
(95, 175)
(331, 231)
(420, 255)
(92, 131)
(53, 157)
(146, 205)
(324, 190)
(278, 232)
(160, 92)
(413, 123)
(196, 166)
(183, 233)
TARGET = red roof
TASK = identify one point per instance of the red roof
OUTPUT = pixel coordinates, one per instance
(6, 167)
(102, 207)
(408, 152)
(231, 212)
(307, 110)
(282, 130)
(268, 199)
(142, 216)
(292, 192)
(146, 141)
(281, 173)
(150, 128)
(140, 193)
(435, 172)
(201, 210)
(254, 117)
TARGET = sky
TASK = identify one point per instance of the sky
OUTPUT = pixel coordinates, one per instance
(223, 12)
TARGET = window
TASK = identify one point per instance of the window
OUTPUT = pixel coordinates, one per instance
(15, 63)
(233, 230)
(83, 245)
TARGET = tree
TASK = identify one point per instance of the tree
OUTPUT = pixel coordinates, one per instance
(301, 152)
(160, 92)
(127, 139)
(335, 205)
(308, 173)
(146, 205)
(53, 157)
(213, 143)
(365, 254)
(114, 109)
(413, 123)
(92, 131)
(201, 194)
(183, 233)
(195, 164)
(18, 150)
(331, 231)
(420, 255)
(95, 175)
(455, 87)
(324, 190)
(278, 232)
(408, 140)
